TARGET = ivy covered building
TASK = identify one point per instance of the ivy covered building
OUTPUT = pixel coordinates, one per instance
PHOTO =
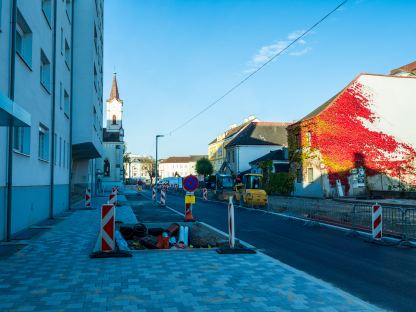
(360, 141)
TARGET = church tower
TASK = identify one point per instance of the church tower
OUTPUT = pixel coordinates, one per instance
(115, 110)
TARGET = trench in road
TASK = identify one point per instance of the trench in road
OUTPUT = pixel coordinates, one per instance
(385, 276)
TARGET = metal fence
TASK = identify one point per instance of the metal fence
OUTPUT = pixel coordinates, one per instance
(397, 221)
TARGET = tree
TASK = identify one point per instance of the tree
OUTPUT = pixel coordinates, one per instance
(148, 165)
(204, 167)
(127, 160)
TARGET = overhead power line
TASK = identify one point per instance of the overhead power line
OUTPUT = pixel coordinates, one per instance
(257, 70)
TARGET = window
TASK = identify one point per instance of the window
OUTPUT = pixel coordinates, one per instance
(60, 95)
(95, 118)
(299, 177)
(95, 78)
(43, 143)
(60, 151)
(0, 14)
(310, 175)
(21, 140)
(95, 38)
(55, 148)
(23, 40)
(64, 154)
(68, 154)
(114, 120)
(220, 151)
(67, 54)
(45, 71)
(62, 41)
(66, 103)
(68, 9)
(308, 138)
(298, 143)
(47, 10)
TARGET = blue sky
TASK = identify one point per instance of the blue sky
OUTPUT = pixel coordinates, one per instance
(175, 57)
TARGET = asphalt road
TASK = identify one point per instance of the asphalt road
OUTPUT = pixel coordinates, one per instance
(382, 275)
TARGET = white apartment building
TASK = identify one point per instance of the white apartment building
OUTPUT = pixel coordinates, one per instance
(37, 74)
(178, 166)
(87, 140)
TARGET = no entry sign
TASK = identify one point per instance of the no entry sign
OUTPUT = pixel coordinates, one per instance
(190, 183)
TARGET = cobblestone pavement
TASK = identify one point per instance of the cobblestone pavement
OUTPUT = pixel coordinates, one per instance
(54, 273)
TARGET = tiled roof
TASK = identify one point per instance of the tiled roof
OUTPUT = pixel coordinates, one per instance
(272, 155)
(182, 159)
(229, 133)
(114, 90)
(262, 133)
(111, 136)
(409, 68)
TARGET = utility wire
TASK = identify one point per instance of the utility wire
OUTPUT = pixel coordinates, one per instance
(257, 70)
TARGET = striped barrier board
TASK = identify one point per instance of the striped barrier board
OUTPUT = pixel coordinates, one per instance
(107, 232)
(377, 221)
(163, 197)
(204, 194)
(153, 193)
(87, 198)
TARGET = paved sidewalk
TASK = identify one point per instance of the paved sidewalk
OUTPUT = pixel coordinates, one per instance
(54, 273)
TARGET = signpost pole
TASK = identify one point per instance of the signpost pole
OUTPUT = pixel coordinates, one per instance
(156, 162)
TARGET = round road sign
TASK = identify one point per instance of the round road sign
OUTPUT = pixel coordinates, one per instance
(190, 183)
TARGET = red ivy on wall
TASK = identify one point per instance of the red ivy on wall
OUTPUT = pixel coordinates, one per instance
(345, 143)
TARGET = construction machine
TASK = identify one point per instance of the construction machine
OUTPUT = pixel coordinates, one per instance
(250, 192)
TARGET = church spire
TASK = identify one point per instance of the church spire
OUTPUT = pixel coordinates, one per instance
(114, 89)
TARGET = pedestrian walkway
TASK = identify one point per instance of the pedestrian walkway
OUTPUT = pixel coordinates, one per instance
(55, 273)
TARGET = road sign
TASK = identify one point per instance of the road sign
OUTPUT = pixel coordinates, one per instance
(189, 199)
(190, 183)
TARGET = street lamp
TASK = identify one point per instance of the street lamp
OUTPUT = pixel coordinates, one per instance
(156, 171)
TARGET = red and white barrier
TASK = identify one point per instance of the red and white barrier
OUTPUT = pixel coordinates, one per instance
(204, 194)
(163, 197)
(231, 235)
(188, 212)
(107, 232)
(154, 193)
(88, 198)
(112, 198)
(377, 221)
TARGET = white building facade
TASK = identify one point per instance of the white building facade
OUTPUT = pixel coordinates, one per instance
(37, 68)
(254, 141)
(178, 166)
(139, 167)
(87, 140)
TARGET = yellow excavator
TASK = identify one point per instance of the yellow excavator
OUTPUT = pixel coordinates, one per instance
(250, 192)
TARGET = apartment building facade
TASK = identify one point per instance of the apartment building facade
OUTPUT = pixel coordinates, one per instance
(87, 138)
(37, 70)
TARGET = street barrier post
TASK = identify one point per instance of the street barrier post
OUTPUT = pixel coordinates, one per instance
(88, 198)
(189, 201)
(231, 235)
(204, 194)
(377, 222)
(154, 194)
(163, 197)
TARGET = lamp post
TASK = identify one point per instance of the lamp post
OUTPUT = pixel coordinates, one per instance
(156, 171)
